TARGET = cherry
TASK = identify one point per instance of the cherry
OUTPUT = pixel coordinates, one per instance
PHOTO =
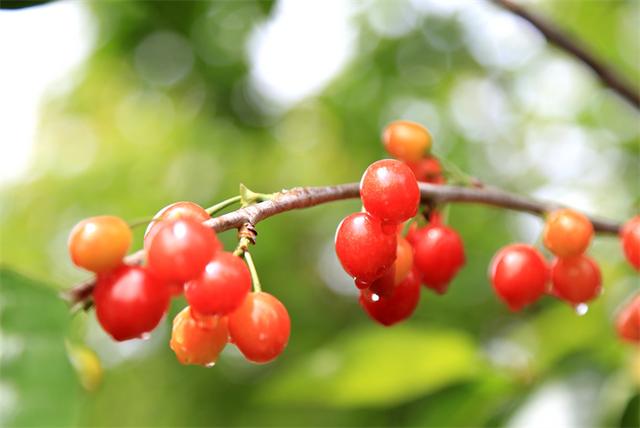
(630, 236)
(389, 191)
(129, 302)
(260, 327)
(180, 249)
(197, 341)
(428, 170)
(396, 305)
(222, 286)
(567, 232)
(406, 141)
(519, 275)
(175, 211)
(99, 243)
(628, 321)
(398, 270)
(438, 255)
(575, 279)
(363, 248)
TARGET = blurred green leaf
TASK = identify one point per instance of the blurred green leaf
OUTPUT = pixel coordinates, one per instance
(33, 322)
(377, 366)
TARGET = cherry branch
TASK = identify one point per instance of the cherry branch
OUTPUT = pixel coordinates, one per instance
(306, 197)
(559, 38)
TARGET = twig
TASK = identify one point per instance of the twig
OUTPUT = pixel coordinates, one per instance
(556, 36)
(305, 197)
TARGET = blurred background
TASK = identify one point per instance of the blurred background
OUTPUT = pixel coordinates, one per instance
(123, 107)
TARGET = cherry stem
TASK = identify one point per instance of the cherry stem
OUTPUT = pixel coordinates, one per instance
(257, 288)
(222, 205)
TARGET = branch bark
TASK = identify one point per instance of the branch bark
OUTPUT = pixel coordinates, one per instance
(305, 197)
(557, 37)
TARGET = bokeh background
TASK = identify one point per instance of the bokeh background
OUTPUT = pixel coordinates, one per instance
(124, 107)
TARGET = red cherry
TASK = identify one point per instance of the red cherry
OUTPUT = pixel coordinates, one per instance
(129, 302)
(180, 249)
(260, 327)
(389, 191)
(575, 279)
(630, 236)
(222, 286)
(363, 248)
(397, 272)
(519, 275)
(405, 140)
(395, 306)
(567, 232)
(628, 321)
(197, 341)
(438, 255)
(428, 170)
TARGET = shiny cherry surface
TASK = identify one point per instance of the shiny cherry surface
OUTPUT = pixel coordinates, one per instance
(630, 237)
(438, 255)
(129, 302)
(198, 342)
(519, 274)
(567, 232)
(405, 140)
(395, 306)
(184, 209)
(363, 248)
(260, 327)
(99, 244)
(398, 271)
(389, 191)
(221, 287)
(575, 279)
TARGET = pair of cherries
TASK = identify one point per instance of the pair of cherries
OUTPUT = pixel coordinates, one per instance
(182, 255)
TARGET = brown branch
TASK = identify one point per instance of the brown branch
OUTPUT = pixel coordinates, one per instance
(305, 197)
(556, 36)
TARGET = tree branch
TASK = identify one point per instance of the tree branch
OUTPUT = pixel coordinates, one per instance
(554, 35)
(305, 197)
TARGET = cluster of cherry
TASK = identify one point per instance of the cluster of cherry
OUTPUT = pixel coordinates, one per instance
(388, 268)
(183, 256)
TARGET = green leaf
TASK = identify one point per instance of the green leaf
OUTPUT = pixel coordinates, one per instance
(33, 321)
(376, 366)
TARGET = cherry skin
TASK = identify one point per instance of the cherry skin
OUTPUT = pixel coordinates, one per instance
(567, 232)
(180, 249)
(260, 327)
(395, 306)
(389, 191)
(129, 302)
(628, 321)
(630, 236)
(438, 255)
(175, 211)
(519, 275)
(196, 341)
(222, 286)
(397, 272)
(99, 244)
(575, 279)
(406, 141)
(363, 248)
(428, 170)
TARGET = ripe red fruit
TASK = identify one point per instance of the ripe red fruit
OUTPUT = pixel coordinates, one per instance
(99, 243)
(567, 232)
(438, 255)
(519, 275)
(363, 248)
(389, 191)
(628, 321)
(395, 306)
(575, 279)
(260, 327)
(406, 141)
(129, 302)
(175, 211)
(221, 287)
(428, 170)
(398, 270)
(630, 236)
(180, 249)
(197, 341)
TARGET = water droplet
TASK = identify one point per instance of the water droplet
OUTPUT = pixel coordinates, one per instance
(145, 336)
(211, 364)
(581, 309)
(375, 297)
